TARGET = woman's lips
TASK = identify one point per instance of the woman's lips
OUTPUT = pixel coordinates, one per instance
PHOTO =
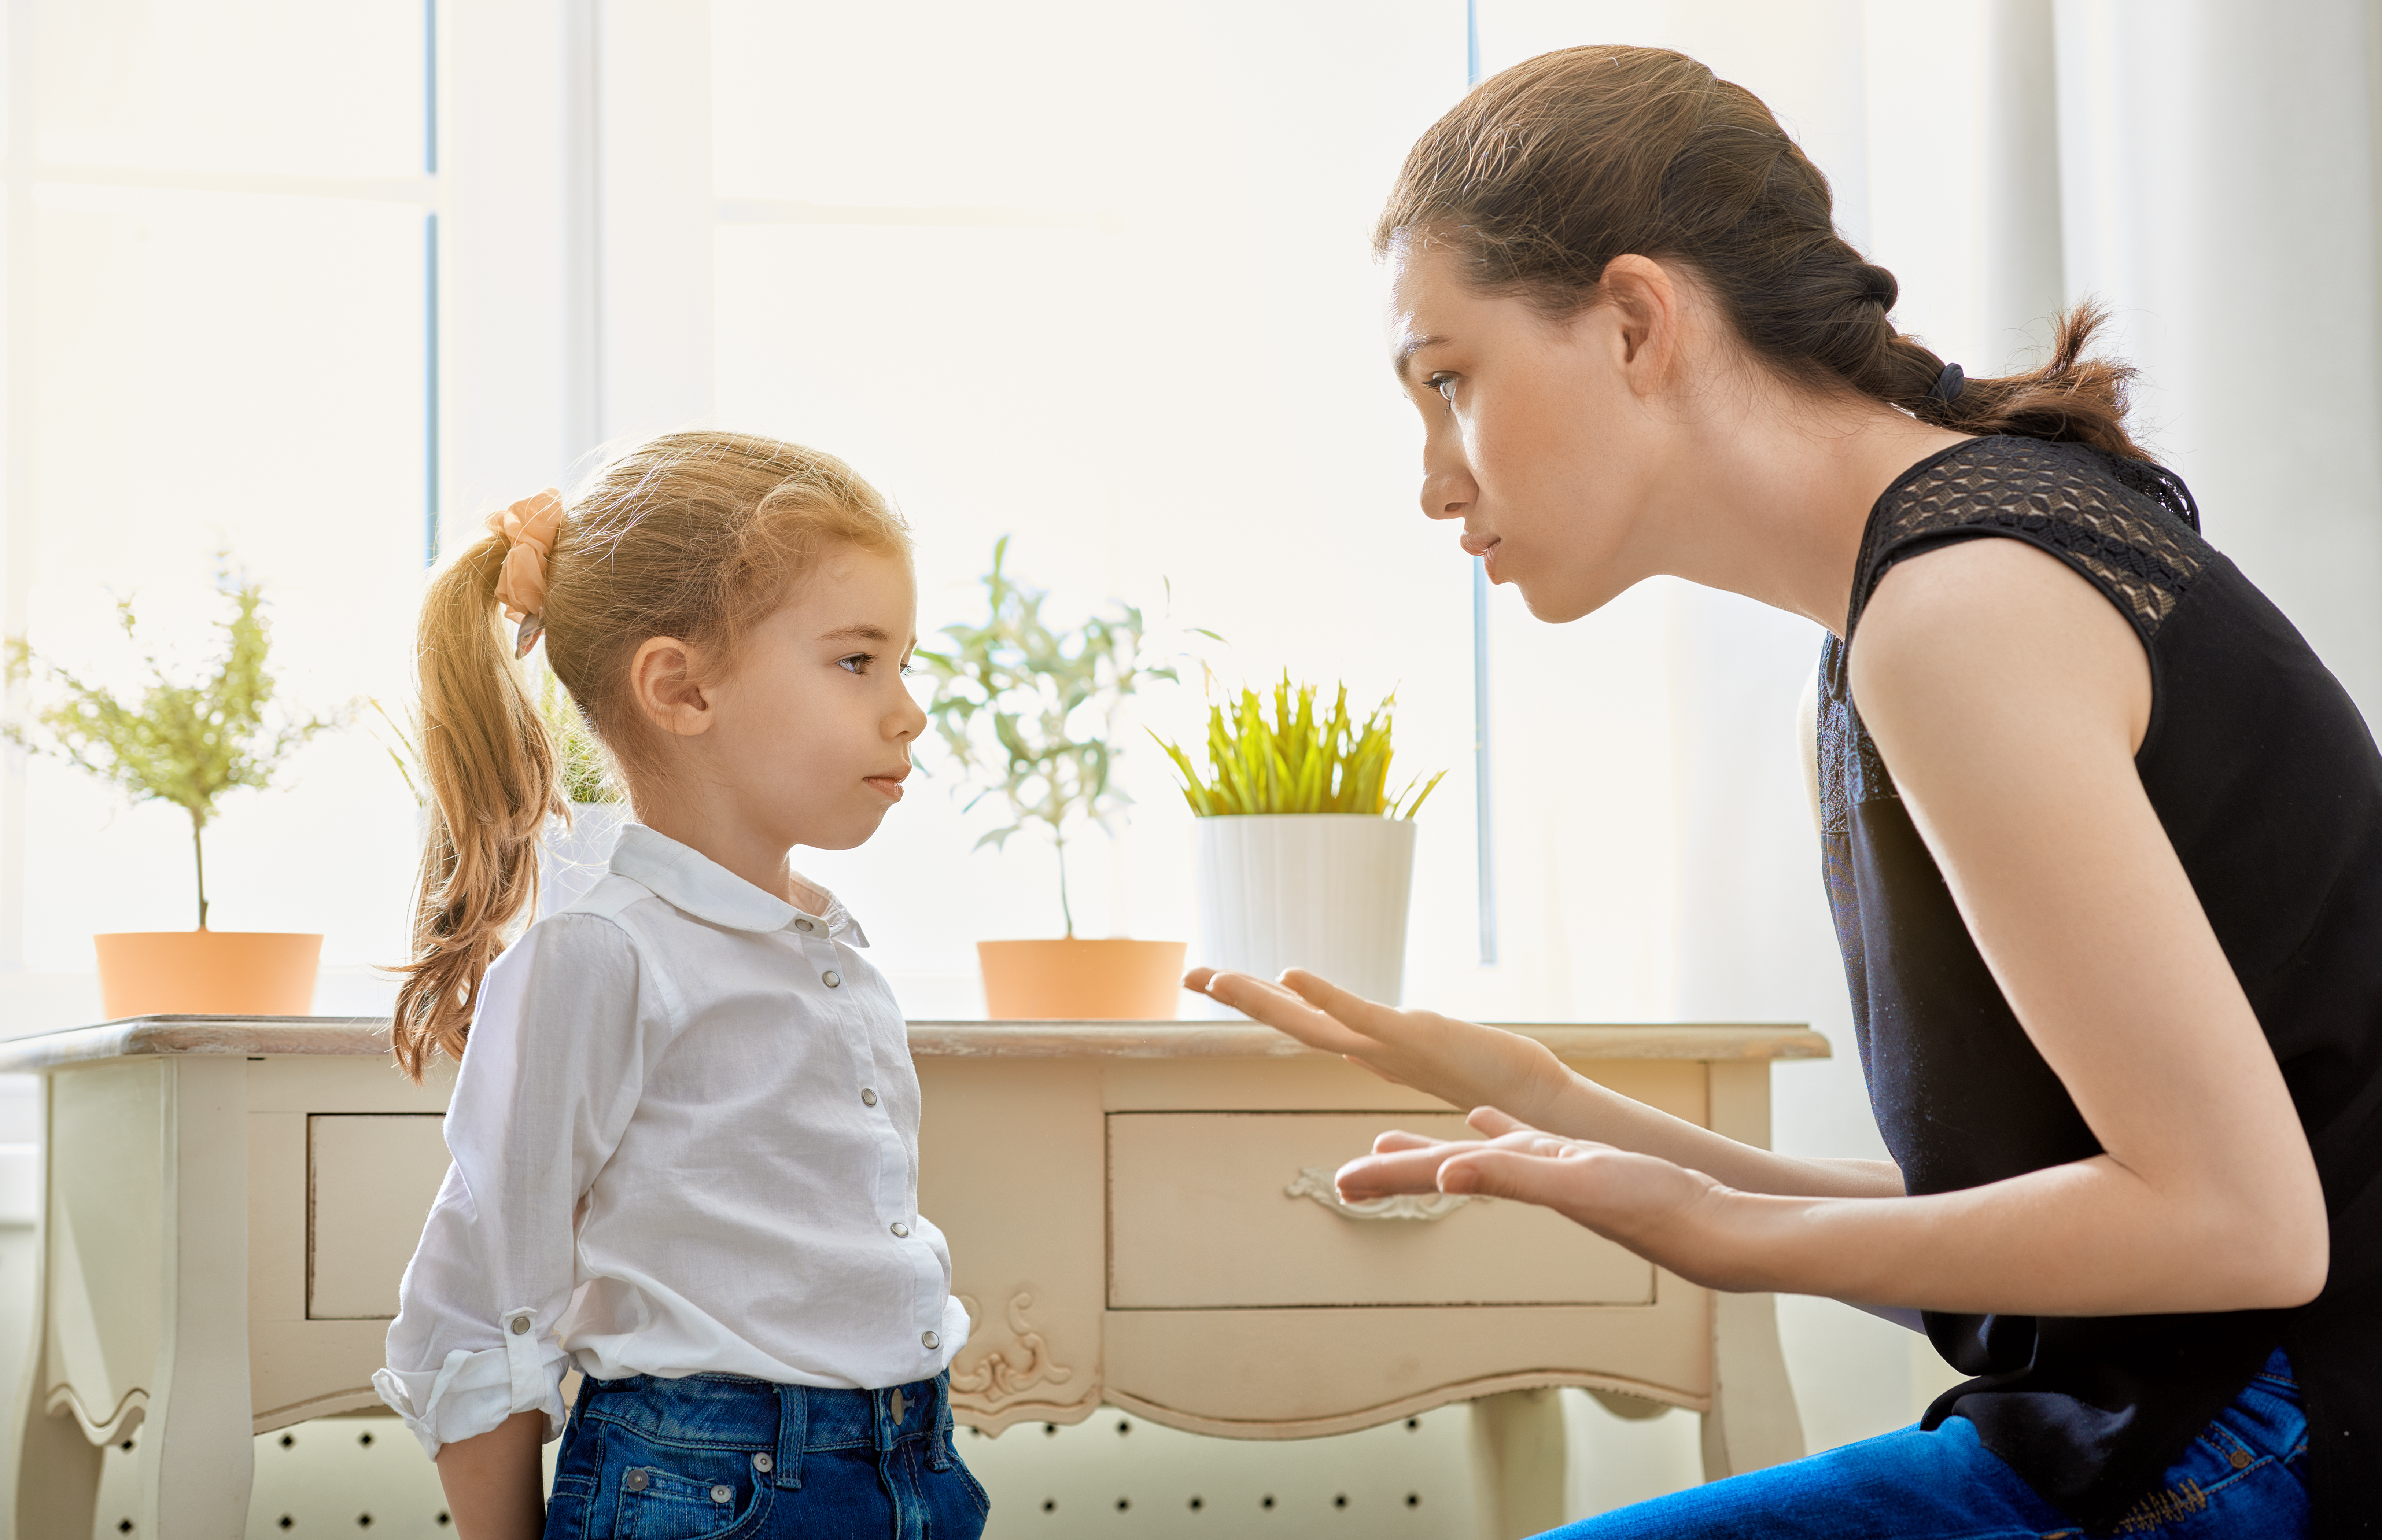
(1477, 545)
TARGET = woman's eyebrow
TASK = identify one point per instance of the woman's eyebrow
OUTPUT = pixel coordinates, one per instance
(1407, 351)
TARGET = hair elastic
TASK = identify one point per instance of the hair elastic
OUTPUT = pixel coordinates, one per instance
(528, 527)
(1948, 385)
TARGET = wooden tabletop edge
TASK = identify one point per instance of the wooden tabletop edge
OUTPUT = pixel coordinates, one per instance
(168, 1035)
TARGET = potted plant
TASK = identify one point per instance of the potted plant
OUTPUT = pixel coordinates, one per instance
(1306, 859)
(1029, 714)
(575, 854)
(186, 743)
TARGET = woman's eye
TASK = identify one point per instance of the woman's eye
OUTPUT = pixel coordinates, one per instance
(1445, 385)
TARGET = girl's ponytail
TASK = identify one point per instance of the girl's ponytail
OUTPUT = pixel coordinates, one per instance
(491, 771)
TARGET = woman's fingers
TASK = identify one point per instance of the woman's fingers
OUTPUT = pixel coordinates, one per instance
(1412, 1169)
(1279, 1009)
(1370, 1016)
(1398, 1139)
(1490, 1122)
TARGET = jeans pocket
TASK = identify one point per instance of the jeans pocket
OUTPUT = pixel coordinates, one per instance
(666, 1492)
(974, 1488)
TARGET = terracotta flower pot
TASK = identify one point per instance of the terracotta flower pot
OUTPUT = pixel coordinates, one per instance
(207, 972)
(1081, 980)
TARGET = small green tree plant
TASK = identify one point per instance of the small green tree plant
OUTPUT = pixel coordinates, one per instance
(1030, 712)
(586, 777)
(186, 743)
(1302, 761)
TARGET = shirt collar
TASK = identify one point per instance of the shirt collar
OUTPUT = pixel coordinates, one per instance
(691, 882)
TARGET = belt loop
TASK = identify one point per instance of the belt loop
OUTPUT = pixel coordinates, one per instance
(941, 1456)
(793, 1415)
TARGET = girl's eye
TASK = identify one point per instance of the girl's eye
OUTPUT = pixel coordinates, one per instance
(857, 664)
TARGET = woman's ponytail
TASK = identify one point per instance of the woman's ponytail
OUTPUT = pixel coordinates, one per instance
(491, 771)
(2069, 397)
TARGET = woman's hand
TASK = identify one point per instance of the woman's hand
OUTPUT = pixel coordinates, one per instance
(1462, 1063)
(1659, 1209)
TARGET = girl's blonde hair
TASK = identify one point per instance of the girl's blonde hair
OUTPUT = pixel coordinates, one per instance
(696, 536)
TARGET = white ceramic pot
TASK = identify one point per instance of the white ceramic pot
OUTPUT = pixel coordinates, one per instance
(1325, 891)
(570, 861)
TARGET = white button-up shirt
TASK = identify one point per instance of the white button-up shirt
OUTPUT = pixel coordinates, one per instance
(686, 1140)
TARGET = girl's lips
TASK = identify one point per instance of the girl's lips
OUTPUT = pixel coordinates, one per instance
(887, 786)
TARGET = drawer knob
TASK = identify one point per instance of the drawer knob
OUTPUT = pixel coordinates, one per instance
(1315, 1182)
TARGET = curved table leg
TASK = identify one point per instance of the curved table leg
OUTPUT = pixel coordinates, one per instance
(1753, 1421)
(1518, 1454)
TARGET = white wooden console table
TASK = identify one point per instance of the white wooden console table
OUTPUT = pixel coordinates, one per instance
(1140, 1214)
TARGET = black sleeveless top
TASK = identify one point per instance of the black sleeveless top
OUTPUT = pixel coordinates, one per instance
(2268, 783)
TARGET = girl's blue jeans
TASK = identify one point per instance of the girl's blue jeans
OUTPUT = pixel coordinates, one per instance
(719, 1457)
(2244, 1478)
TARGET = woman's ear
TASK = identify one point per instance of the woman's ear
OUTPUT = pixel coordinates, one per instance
(1645, 300)
(663, 682)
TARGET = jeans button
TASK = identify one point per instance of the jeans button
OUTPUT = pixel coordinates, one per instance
(723, 1493)
(635, 1480)
(762, 1463)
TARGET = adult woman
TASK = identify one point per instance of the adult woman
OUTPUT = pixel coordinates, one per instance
(2104, 840)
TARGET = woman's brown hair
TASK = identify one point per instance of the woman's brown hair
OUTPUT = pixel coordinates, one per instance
(696, 536)
(1549, 170)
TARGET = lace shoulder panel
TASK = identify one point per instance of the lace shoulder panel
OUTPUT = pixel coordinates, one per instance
(2130, 527)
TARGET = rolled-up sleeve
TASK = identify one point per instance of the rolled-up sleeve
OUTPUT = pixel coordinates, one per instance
(549, 1080)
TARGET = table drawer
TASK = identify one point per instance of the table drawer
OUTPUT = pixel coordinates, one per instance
(1200, 1217)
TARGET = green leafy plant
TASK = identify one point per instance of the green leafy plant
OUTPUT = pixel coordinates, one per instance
(586, 775)
(1029, 712)
(186, 743)
(1299, 762)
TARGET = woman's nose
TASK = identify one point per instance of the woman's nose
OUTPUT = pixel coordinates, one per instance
(1445, 494)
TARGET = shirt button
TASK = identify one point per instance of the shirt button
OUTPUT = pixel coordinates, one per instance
(521, 1325)
(762, 1463)
(805, 925)
(831, 979)
(635, 1480)
(931, 1340)
(867, 1098)
(901, 1231)
(722, 1491)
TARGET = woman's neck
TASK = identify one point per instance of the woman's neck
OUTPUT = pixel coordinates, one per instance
(1771, 501)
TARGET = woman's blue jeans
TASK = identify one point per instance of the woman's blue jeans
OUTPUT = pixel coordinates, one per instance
(719, 1457)
(2244, 1478)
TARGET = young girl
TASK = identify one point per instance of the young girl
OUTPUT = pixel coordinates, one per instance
(685, 1128)
(2103, 839)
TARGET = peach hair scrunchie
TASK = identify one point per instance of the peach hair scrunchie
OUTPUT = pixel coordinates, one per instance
(529, 525)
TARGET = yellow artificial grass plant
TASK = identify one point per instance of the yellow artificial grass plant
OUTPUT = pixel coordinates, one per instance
(1299, 762)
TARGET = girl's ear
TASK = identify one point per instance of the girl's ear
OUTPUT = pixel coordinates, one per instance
(662, 681)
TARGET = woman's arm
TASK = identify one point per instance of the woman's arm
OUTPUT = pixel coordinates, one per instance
(2008, 698)
(1467, 1064)
(496, 1484)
